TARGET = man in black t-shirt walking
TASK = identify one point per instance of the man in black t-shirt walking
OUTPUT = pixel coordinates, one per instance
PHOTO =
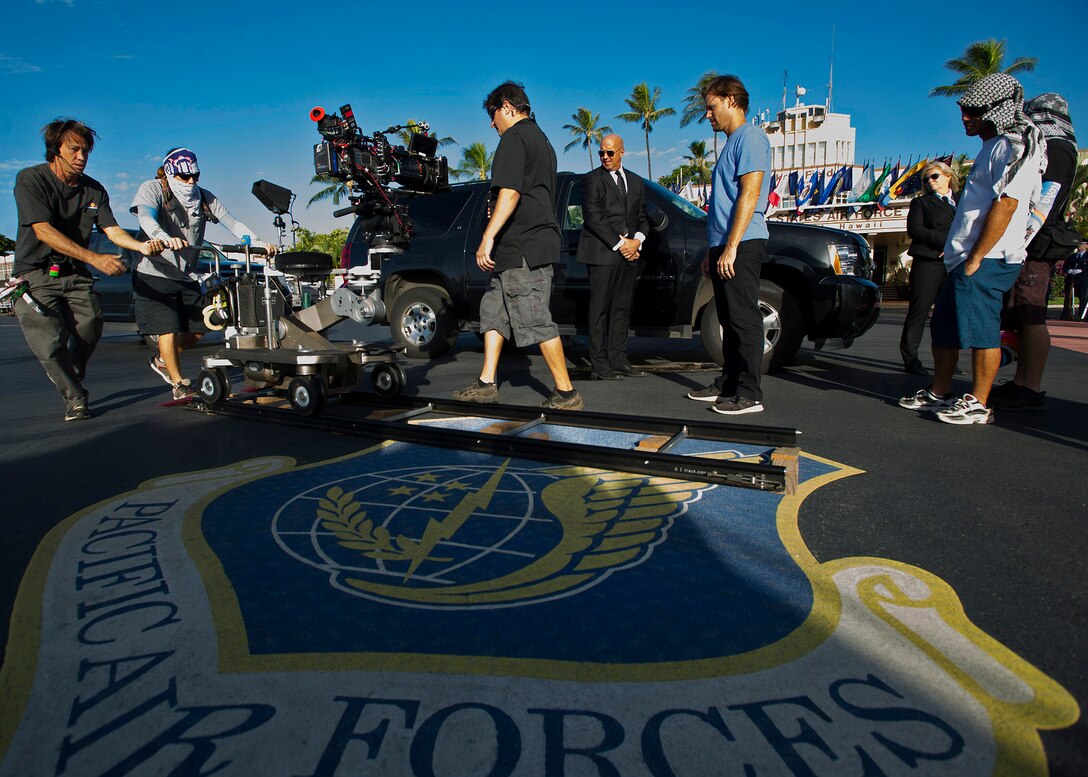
(519, 246)
(58, 205)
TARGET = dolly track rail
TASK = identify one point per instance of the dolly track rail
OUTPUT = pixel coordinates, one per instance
(745, 474)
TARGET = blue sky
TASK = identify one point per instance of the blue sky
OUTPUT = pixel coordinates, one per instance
(234, 80)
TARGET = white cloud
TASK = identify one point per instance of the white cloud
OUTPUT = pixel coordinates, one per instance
(10, 165)
(69, 3)
(15, 66)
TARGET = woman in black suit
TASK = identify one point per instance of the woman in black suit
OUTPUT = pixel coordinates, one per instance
(928, 221)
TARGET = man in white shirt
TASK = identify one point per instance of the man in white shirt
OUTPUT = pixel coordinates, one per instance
(986, 245)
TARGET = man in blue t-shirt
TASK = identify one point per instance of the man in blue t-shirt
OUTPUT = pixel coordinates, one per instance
(736, 244)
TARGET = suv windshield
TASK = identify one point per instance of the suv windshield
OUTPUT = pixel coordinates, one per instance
(676, 200)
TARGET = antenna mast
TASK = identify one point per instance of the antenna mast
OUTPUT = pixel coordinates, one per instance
(831, 70)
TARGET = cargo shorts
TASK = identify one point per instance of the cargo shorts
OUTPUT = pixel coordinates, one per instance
(518, 305)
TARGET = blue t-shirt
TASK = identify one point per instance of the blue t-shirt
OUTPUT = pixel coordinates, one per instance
(747, 150)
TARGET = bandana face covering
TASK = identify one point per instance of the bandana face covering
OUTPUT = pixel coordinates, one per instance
(187, 194)
(1003, 99)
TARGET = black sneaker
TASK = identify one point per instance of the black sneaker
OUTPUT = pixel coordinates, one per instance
(478, 391)
(559, 402)
(708, 394)
(1010, 396)
(77, 412)
(738, 406)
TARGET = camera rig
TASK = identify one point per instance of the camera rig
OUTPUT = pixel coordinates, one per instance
(372, 167)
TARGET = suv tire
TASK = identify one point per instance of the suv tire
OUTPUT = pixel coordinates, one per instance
(782, 327)
(421, 319)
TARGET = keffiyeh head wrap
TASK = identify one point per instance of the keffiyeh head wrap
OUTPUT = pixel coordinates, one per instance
(1002, 97)
(1050, 113)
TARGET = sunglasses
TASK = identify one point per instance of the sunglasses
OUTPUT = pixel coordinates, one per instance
(602, 153)
(192, 178)
(935, 176)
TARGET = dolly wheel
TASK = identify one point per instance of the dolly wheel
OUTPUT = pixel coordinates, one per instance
(307, 395)
(212, 385)
(388, 380)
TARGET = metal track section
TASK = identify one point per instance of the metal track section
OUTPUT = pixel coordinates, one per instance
(389, 419)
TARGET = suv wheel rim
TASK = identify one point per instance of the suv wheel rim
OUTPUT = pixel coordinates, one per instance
(772, 326)
(418, 323)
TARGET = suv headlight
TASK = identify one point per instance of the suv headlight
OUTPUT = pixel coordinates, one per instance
(845, 258)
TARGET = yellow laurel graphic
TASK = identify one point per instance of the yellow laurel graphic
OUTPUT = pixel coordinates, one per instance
(609, 520)
(345, 518)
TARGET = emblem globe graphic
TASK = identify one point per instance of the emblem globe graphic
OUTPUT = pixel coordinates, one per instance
(476, 523)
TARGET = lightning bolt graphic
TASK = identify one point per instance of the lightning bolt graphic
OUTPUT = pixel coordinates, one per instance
(437, 531)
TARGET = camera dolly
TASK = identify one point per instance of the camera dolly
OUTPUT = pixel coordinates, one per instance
(283, 351)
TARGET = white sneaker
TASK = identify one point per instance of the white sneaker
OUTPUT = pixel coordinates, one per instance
(926, 401)
(967, 410)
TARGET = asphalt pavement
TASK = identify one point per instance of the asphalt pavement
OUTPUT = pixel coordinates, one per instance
(997, 512)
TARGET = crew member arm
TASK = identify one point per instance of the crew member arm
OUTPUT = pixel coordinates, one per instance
(917, 229)
(997, 221)
(505, 204)
(750, 185)
(237, 228)
(107, 263)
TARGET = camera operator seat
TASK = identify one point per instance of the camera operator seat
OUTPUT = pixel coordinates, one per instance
(310, 266)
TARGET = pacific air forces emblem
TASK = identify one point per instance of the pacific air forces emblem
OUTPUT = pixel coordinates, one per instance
(402, 612)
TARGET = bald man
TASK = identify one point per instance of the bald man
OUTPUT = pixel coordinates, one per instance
(613, 231)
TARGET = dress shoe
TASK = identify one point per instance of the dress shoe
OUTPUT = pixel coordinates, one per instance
(630, 372)
(915, 368)
(606, 375)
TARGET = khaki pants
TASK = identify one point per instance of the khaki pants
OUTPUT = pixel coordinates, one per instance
(64, 334)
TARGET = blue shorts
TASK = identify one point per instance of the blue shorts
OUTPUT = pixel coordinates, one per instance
(967, 313)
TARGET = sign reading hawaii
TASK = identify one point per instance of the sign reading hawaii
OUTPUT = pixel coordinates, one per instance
(405, 612)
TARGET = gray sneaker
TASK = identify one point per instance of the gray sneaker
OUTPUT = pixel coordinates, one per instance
(558, 402)
(738, 406)
(708, 394)
(183, 390)
(158, 366)
(478, 391)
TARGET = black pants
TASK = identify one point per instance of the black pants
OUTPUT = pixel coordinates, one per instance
(926, 276)
(737, 302)
(611, 287)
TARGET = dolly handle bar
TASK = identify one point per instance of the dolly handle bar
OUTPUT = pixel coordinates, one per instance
(241, 249)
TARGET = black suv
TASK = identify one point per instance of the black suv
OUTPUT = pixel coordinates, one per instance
(816, 281)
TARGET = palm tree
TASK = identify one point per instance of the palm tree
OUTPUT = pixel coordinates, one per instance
(982, 58)
(335, 190)
(694, 106)
(475, 162)
(644, 111)
(700, 160)
(585, 131)
(412, 127)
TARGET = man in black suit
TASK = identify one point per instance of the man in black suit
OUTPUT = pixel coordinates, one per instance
(613, 231)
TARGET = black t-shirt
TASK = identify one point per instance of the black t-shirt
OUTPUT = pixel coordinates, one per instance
(525, 162)
(1061, 166)
(72, 210)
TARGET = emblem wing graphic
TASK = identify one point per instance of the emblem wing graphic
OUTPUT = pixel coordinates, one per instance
(608, 519)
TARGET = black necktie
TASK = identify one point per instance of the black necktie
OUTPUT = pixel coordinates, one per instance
(623, 187)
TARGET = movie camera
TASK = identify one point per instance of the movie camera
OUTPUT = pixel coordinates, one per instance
(378, 173)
